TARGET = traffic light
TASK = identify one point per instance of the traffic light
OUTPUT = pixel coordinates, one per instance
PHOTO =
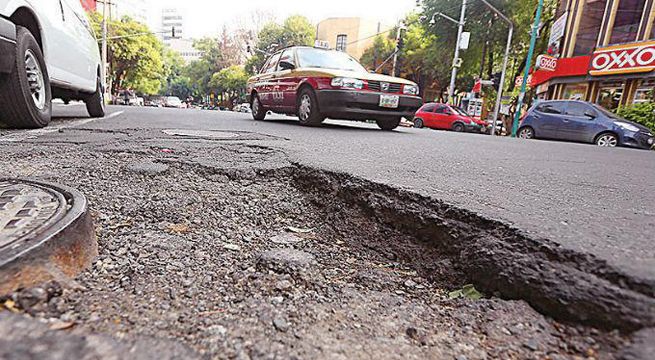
(401, 39)
(496, 80)
(173, 32)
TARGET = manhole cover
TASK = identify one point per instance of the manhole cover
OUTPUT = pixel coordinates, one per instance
(45, 230)
(203, 134)
(26, 208)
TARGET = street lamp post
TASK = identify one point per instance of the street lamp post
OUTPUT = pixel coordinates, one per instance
(460, 29)
(453, 76)
(505, 59)
(526, 72)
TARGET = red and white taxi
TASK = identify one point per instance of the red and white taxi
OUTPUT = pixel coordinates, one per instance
(315, 84)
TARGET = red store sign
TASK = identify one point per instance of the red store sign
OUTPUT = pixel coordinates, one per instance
(623, 59)
(546, 63)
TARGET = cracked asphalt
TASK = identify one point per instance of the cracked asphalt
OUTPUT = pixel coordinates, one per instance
(594, 207)
(594, 201)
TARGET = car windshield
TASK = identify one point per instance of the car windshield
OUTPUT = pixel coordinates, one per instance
(173, 100)
(459, 111)
(328, 59)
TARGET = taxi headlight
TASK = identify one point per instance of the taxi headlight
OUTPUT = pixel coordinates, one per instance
(347, 83)
(410, 90)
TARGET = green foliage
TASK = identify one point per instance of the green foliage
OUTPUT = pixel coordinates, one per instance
(488, 38)
(373, 57)
(230, 80)
(467, 291)
(296, 31)
(643, 113)
(135, 61)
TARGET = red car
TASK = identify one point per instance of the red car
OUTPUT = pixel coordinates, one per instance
(447, 117)
(316, 84)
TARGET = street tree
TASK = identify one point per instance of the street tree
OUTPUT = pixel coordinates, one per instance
(295, 31)
(230, 81)
(381, 50)
(134, 55)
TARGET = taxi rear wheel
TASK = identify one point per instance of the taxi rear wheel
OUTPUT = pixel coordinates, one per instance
(307, 108)
(388, 124)
(258, 111)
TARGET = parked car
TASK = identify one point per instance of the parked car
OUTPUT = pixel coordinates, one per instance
(447, 117)
(582, 121)
(127, 98)
(315, 84)
(174, 102)
(46, 51)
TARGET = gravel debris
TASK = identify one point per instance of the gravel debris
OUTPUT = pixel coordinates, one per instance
(202, 256)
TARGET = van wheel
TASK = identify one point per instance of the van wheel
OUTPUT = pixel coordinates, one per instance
(307, 108)
(95, 104)
(25, 95)
(388, 124)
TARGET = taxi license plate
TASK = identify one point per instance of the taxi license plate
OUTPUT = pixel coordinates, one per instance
(389, 101)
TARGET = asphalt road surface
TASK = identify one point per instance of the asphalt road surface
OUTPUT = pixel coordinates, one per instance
(594, 201)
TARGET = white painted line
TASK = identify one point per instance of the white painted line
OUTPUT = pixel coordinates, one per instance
(33, 134)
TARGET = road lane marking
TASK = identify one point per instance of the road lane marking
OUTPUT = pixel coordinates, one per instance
(33, 134)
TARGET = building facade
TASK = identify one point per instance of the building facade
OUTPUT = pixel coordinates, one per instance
(171, 18)
(605, 53)
(185, 48)
(352, 35)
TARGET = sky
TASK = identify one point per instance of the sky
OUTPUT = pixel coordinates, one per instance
(207, 17)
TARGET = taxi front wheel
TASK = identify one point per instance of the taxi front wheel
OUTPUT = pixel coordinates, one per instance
(308, 112)
(258, 111)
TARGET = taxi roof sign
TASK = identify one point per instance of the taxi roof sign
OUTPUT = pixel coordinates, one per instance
(322, 44)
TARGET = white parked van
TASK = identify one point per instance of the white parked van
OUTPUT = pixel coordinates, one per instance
(47, 50)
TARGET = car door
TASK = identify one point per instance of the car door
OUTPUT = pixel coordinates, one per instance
(548, 118)
(442, 117)
(56, 44)
(287, 81)
(87, 56)
(268, 82)
(427, 114)
(578, 122)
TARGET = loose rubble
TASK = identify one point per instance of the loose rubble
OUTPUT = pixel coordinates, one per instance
(210, 261)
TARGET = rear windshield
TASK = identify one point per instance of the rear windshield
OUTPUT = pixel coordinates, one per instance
(328, 59)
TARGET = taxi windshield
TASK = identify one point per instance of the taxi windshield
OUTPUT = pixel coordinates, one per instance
(328, 59)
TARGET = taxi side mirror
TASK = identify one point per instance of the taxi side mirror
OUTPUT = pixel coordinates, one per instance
(285, 65)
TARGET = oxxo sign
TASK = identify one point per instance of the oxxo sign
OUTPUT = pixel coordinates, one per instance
(623, 59)
(546, 63)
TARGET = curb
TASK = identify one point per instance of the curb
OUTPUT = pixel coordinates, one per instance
(56, 245)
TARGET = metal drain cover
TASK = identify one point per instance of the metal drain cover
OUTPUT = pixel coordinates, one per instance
(203, 134)
(27, 208)
(45, 231)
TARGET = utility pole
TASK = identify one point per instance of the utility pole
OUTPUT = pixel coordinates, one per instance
(528, 63)
(456, 61)
(505, 59)
(401, 27)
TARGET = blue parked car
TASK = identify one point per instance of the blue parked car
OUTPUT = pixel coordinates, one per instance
(582, 121)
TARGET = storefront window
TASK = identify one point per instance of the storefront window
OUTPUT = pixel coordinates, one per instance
(589, 29)
(575, 91)
(610, 94)
(645, 92)
(626, 23)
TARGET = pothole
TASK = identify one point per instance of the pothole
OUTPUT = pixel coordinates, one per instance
(294, 263)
